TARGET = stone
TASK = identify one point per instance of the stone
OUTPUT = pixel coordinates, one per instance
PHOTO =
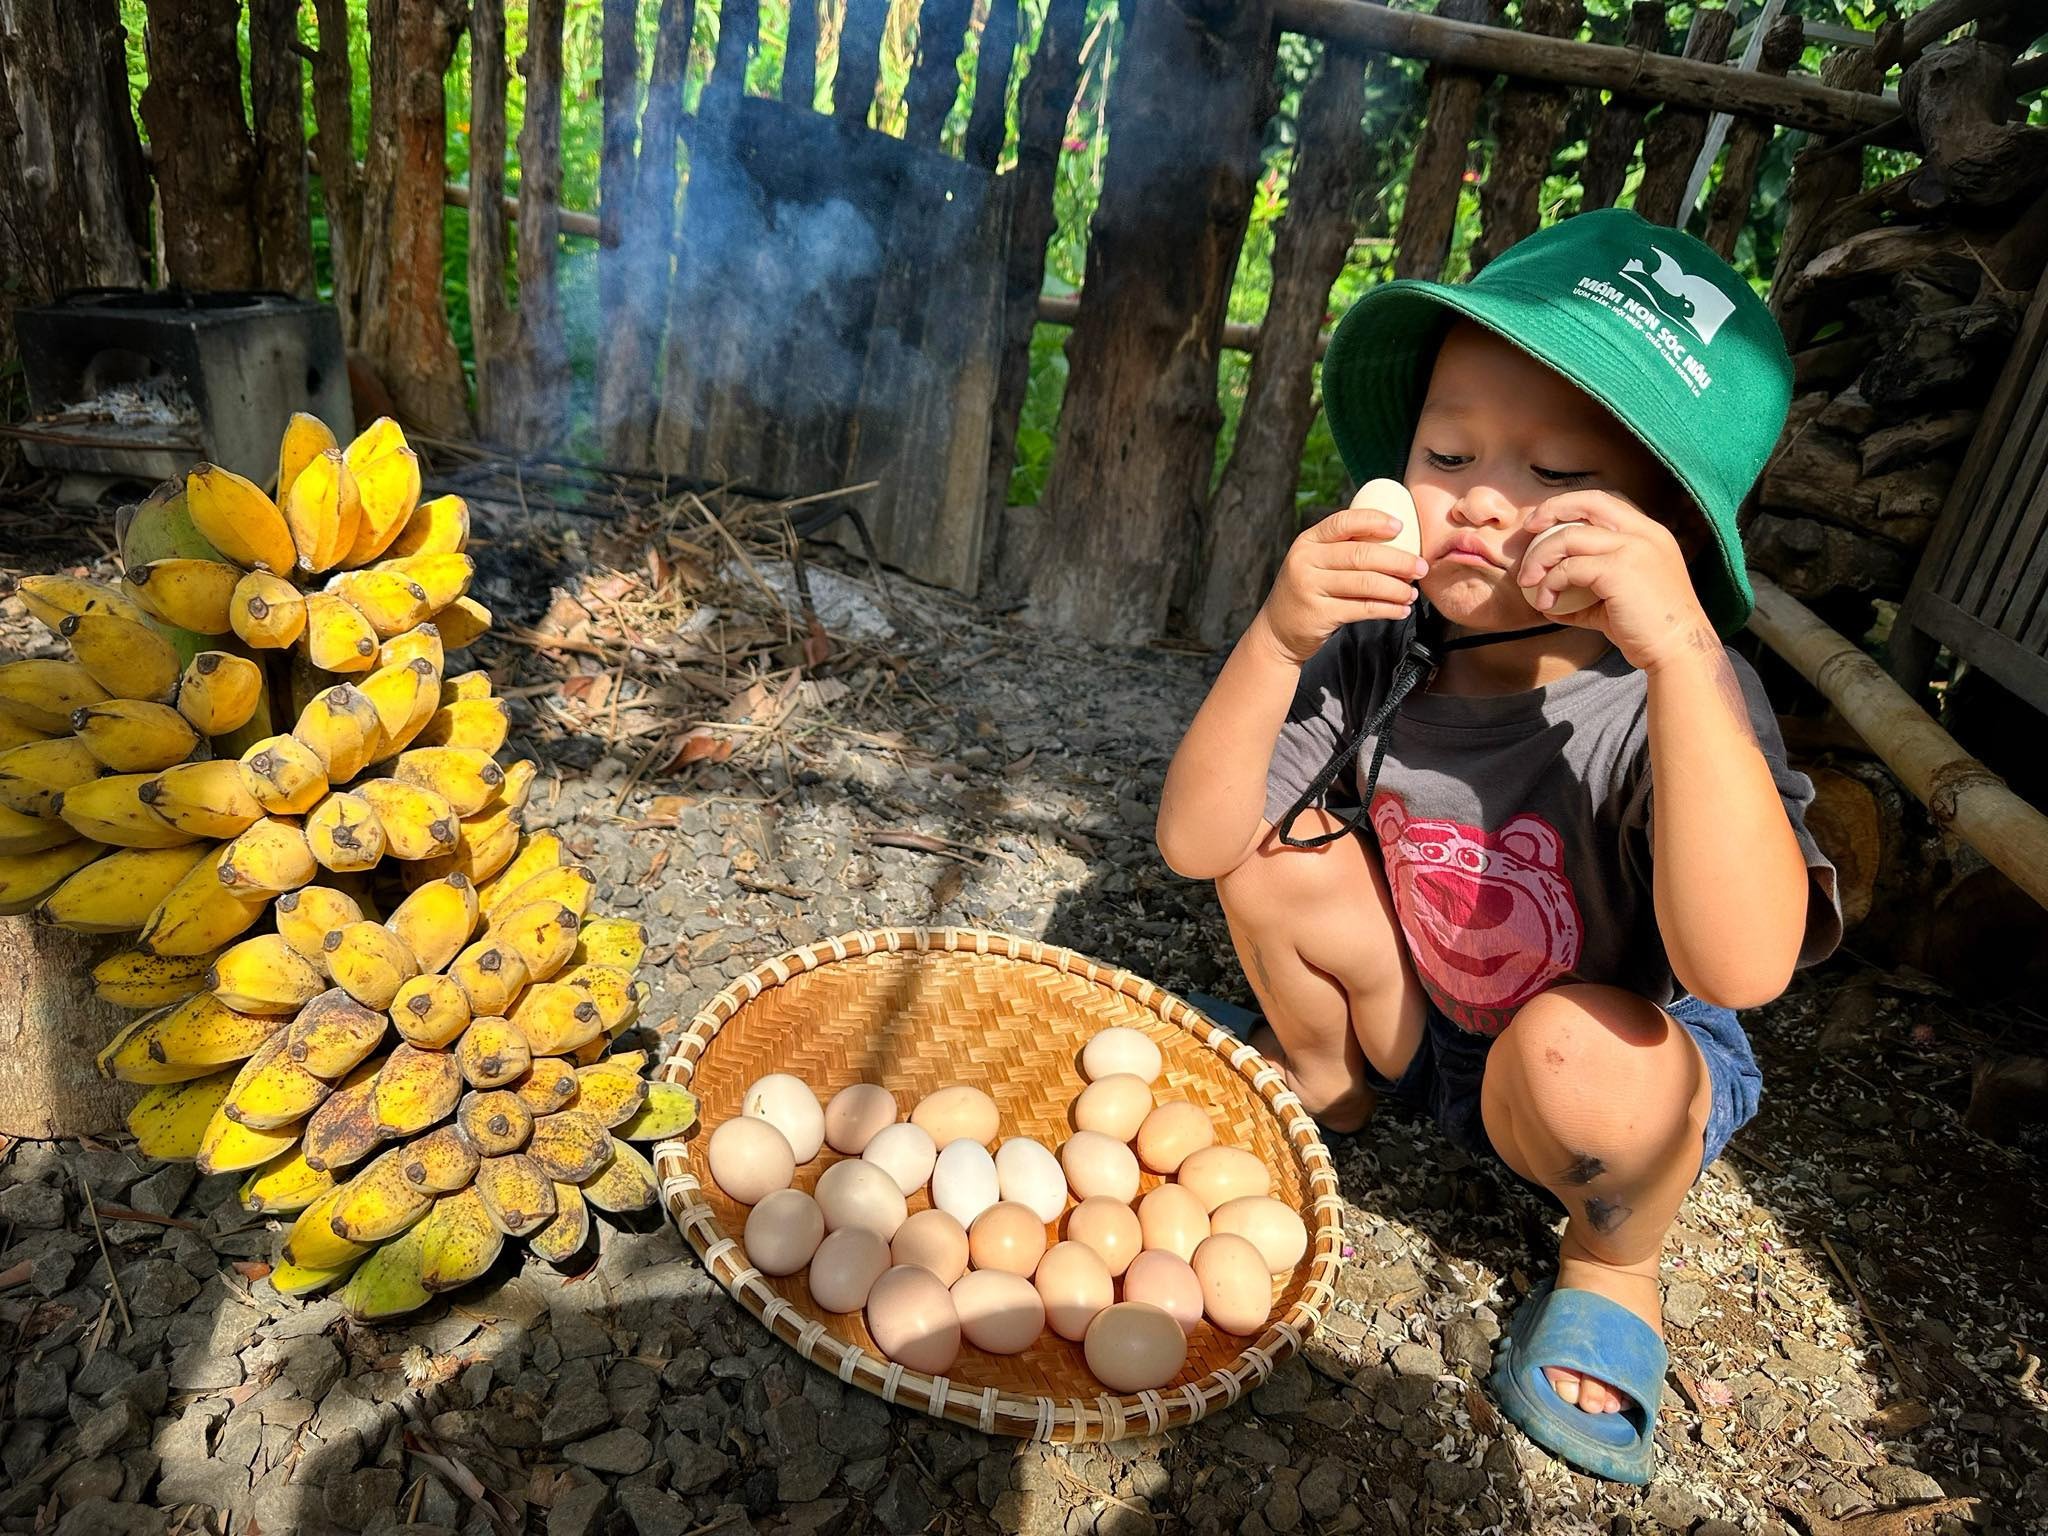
(312, 1366)
(163, 1191)
(1327, 1486)
(118, 1427)
(861, 1430)
(575, 1513)
(1452, 1482)
(805, 1472)
(148, 1390)
(1904, 1484)
(1682, 1302)
(654, 1513)
(202, 1368)
(40, 1390)
(816, 1517)
(901, 1508)
(580, 1338)
(1413, 1359)
(618, 1451)
(357, 1499)
(157, 1288)
(102, 1517)
(50, 1271)
(33, 1207)
(693, 1466)
(1808, 1361)
(103, 1373)
(1283, 1507)
(1251, 1443)
(1466, 1343)
(579, 1409)
(1838, 1443)
(1286, 1392)
(1673, 1506)
(100, 1478)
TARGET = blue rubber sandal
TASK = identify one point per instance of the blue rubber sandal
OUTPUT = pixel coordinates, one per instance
(1229, 1017)
(1585, 1332)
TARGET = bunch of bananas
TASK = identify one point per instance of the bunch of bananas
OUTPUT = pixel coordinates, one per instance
(344, 943)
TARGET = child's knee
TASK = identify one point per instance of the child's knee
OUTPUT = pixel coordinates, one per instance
(1594, 1064)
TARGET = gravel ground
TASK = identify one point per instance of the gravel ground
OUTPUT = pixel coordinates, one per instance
(1855, 1297)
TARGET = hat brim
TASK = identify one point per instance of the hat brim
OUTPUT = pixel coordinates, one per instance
(1377, 369)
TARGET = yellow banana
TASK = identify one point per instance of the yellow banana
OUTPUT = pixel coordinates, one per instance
(266, 611)
(444, 578)
(440, 1162)
(135, 978)
(170, 1120)
(111, 810)
(421, 642)
(388, 1283)
(519, 1196)
(305, 439)
(268, 858)
(436, 527)
(570, 885)
(480, 724)
(14, 734)
(462, 623)
(625, 1183)
(538, 853)
(617, 995)
(53, 599)
(415, 1089)
(563, 1238)
(273, 1091)
(333, 1034)
(313, 1243)
(131, 736)
(324, 510)
(614, 941)
(436, 920)
(284, 1185)
(378, 1203)
(306, 916)
(208, 799)
(129, 660)
(236, 518)
(200, 914)
(465, 686)
(430, 1011)
(297, 1280)
(609, 1095)
(390, 603)
(284, 775)
(556, 1019)
(490, 976)
(232, 1147)
(368, 962)
(118, 893)
(390, 489)
(337, 638)
(188, 594)
(21, 835)
(265, 975)
(484, 844)
(542, 933)
(380, 437)
(43, 694)
(669, 1111)
(549, 1084)
(404, 696)
(183, 1040)
(219, 692)
(491, 1053)
(458, 1242)
(343, 1131)
(496, 1123)
(418, 824)
(340, 725)
(344, 833)
(466, 777)
(518, 785)
(570, 1145)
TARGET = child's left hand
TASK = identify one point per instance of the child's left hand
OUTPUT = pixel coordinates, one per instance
(1630, 563)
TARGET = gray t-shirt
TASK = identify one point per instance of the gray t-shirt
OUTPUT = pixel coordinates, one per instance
(1515, 829)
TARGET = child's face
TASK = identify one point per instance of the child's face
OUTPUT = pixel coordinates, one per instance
(1499, 434)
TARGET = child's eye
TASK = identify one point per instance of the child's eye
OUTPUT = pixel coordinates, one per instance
(1446, 460)
(1561, 476)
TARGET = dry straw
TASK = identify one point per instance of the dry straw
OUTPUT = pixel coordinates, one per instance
(916, 1009)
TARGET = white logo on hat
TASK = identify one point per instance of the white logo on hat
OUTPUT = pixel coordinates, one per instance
(1693, 302)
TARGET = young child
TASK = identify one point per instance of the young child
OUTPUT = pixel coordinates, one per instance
(1584, 847)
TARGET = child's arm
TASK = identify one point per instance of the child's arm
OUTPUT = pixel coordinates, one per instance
(1728, 879)
(1211, 813)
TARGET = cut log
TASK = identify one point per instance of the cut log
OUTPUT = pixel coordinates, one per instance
(1847, 414)
(1912, 442)
(2008, 1097)
(341, 177)
(1960, 100)
(1441, 156)
(1611, 147)
(739, 25)
(1876, 256)
(51, 1027)
(1733, 199)
(987, 119)
(1253, 515)
(542, 350)
(200, 149)
(935, 78)
(492, 331)
(1831, 364)
(1526, 126)
(1671, 142)
(1856, 817)
(1137, 431)
(1948, 359)
(284, 238)
(1813, 560)
(1822, 183)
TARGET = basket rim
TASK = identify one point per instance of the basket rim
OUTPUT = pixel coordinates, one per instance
(993, 1410)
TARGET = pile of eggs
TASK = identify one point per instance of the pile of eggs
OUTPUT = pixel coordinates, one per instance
(983, 1265)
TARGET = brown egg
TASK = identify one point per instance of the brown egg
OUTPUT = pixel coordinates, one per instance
(931, 1240)
(1096, 1164)
(958, 1113)
(1216, 1175)
(1009, 1237)
(1237, 1288)
(999, 1312)
(1109, 1227)
(845, 1268)
(783, 1230)
(1134, 1347)
(1271, 1226)
(856, 1112)
(1115, 1106)
(913, 1319)
(1168, 1281)
(1074, 1286)
(749, 1159)
(1172, 1221)
(1171, 1132)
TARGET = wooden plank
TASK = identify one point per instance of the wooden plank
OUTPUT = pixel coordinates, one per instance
(987, 118)
(1672, 141)
(1526, 125)
(2026, 519)
(1430, 214)
(860, 60)
(935, 78)
(1972, 584)
(1796, 102)
(2009, 663)
(800, 57)
(1728, 209)
(1612, 144)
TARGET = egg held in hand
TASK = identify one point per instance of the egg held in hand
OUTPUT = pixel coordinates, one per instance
(913, 1321)
(1393, 498)
(1135, 1347)
(1571, 599)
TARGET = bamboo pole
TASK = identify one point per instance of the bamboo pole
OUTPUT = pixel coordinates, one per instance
(1797, 103)
(1961, 794)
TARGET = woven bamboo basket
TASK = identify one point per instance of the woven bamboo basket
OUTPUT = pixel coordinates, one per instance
(915, 1010)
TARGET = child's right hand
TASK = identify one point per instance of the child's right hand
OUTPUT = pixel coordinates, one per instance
(1339, 572)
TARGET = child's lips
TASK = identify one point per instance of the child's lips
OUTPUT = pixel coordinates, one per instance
(1465, 557)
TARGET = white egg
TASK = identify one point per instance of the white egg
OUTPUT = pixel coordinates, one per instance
(964, 1182)
(1571, 599)
(788, 1104)
(858, 1194)
(1030, 1175)
(1112, 1051)
(855, 1114)
(905, 1152)
(1392, 498)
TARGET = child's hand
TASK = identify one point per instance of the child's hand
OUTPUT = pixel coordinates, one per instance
(1338, 572)
(1627, 561)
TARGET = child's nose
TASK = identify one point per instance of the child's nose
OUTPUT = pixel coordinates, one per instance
(1483, 506)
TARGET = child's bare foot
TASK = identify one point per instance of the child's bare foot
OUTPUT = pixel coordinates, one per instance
(1635, 1289)
(1334, 1100)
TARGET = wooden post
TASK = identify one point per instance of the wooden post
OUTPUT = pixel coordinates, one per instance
(800, 54)
(1252, 516)
(543, 356)
(739, 25)
(284, 239)
(935, 78)
(204, 161)
(1612, 144)
(51, 1028)
(619, 92)
(1525, 130)
(1044, 100)
(491, 327)
(860, 59)
(341, 179)
(987, 118)
(1137, 432)
(1822, 181)
(626, 394)
(1672, 141)
(1438, 175)
(1728, 209)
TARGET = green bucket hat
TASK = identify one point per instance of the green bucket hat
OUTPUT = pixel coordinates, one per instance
(1645, 319)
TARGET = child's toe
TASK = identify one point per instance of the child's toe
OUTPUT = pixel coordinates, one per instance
(1564, 1383)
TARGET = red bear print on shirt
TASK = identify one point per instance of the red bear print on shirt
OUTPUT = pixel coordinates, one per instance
(1489, 916)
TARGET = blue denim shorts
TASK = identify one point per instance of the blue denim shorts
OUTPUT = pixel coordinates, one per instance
(1443, 1079)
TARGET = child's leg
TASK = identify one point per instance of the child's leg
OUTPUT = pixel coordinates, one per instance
(1601, 1098)
(1316, 934)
